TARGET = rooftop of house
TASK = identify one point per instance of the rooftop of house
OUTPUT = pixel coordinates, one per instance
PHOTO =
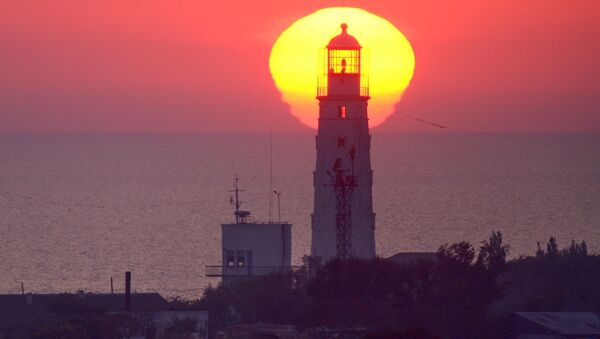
(565, 323)
(22, 309)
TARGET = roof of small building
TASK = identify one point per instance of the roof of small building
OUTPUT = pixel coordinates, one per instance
(18, 309)
(344, 40)
(565, 323)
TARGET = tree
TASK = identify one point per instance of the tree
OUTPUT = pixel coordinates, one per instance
(492, 254)
(539, 253)
(552, 248)
(577, 249)
(180, 328)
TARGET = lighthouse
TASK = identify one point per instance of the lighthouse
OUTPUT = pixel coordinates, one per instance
(343, 222)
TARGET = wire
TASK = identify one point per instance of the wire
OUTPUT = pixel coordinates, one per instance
(424, 121)
(487, 134)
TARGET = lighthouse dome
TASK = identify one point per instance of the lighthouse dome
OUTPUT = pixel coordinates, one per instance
(343, 40)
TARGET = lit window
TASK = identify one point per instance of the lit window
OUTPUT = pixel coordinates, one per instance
(241, 258)
(230, 258)
(341, 141)
(342, 112)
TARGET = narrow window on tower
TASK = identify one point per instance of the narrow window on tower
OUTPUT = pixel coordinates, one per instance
(342, 112)
(341, 142)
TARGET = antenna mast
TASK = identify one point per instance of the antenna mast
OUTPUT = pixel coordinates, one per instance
(237, 203)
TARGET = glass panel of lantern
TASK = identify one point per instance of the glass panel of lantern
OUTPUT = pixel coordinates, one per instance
(344, 61)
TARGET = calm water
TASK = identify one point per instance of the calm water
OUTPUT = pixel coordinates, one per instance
(78, 209)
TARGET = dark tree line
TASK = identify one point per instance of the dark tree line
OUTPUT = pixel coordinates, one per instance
(465, 292)
(446, 297)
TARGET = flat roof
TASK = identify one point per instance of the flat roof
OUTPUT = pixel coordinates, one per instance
(567, 323)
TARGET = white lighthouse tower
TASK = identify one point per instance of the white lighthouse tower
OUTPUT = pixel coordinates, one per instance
(343, 222)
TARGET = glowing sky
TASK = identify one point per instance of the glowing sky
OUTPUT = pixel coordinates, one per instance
(117, 66)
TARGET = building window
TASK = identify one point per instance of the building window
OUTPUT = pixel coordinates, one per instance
(342, 112)
(230, 258)
(241, 258)
(341, 142)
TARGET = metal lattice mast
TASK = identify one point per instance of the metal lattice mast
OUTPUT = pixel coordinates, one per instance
(343, 186)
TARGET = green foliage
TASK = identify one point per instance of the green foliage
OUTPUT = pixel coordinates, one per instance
(181, 304)
(90, 327)
(493, 254)
(555, 280)
(449, 296)
(180, 328)
(276, 298)
(577, 249)
(552, 247)
(463, 293)
(552, 251)
(539, 253)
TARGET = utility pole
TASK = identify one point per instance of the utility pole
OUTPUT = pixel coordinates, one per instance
(237, 203)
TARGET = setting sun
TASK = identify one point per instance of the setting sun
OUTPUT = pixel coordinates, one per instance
(293, 60)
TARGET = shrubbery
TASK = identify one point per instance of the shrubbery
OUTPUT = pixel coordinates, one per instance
(464, 293)
(449, 296)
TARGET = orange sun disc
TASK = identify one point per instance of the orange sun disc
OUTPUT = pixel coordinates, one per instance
(294, 56)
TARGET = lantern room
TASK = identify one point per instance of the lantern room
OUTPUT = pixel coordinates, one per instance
(343, 67)
(343, 54)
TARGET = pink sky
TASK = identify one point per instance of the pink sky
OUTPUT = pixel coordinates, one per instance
(190, 66)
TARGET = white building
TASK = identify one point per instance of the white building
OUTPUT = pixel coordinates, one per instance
(252, 248)
(343, 222)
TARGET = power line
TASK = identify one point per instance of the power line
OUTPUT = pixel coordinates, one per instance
(485, 133)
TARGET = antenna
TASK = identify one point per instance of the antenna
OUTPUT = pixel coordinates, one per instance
(237, 203)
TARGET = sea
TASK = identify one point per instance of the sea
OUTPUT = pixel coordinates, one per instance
(79, 209)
